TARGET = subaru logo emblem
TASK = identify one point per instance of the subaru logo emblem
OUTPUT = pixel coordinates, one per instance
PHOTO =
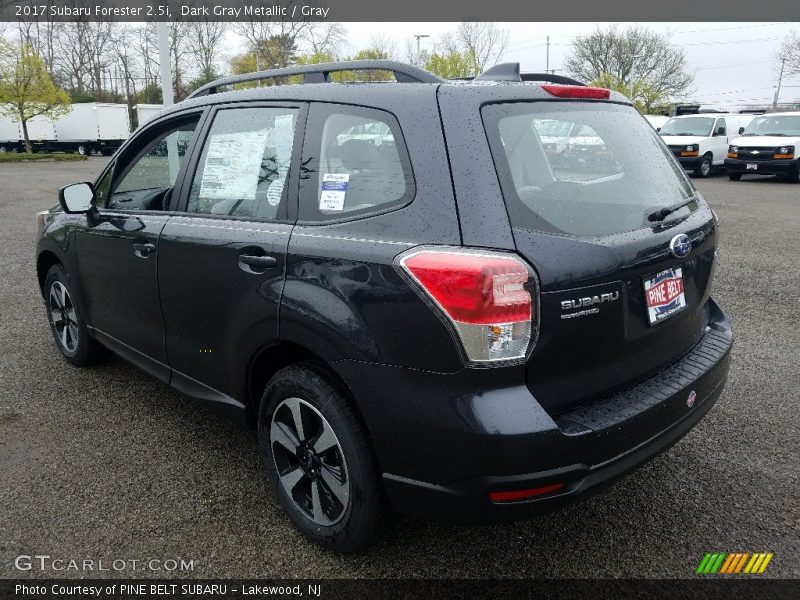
(680, 245)
(690, 400)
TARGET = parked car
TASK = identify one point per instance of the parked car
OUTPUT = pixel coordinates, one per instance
(768, 146)
(700, 142)
(446, 322)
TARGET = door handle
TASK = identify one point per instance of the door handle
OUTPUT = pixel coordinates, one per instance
(258, 262)
(143, 249)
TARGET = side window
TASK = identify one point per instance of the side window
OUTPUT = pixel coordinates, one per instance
(245, 163)
(103, 187)
(721, 123)
(354, 163)
(147, 180)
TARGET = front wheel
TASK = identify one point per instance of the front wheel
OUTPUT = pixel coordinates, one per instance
(319, 459)
(67, 322)
(734, 176)
(704, 168)
(83, 150)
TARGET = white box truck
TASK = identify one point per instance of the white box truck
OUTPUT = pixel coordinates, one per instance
(93, 127)
(10, 134)
(145, 112)
(41, 132)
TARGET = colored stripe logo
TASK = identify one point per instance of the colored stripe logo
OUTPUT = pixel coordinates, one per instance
(735, 563)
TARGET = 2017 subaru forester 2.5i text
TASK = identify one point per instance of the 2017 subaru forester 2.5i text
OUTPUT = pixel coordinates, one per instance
(417, 296)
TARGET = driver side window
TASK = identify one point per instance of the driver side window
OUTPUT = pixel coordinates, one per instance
(146, 182)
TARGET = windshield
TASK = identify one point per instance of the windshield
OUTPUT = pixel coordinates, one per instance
(605, 177)
(787, 125)
(700, 126)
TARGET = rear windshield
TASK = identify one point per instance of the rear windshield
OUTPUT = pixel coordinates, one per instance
(782, 126)
(584, 169)
(688, 126)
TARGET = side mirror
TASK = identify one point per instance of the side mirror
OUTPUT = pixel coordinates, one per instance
(76, 198)
(741, 130)
(720, 131)
(658, 129)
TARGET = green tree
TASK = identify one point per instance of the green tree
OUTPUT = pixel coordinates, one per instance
(26, 89)
(205, 76)
(453, 64)
(150, 94)
(634, 55)
(647, 98)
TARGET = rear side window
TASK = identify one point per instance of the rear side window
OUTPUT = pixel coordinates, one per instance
(355, 163)
(583, 169)
(245, 162)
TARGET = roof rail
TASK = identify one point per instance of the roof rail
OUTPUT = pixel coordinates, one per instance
(511, 72)
(320, 73)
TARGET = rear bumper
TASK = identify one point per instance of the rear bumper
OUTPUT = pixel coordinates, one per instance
(444, 449)
(764, 167)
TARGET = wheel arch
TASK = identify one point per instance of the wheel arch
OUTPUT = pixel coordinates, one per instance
(270, 359)
(44, 262)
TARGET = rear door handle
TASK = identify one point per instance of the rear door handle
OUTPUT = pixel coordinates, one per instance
(258, 262)
(143, 249)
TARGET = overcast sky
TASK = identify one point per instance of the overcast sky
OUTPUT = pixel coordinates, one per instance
(733, 62)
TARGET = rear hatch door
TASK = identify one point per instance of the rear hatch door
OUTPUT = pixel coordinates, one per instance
(623, 293)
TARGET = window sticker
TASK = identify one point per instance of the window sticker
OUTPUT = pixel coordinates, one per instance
(334, 189)
(284, 139)
(233, 165)
(274, 192)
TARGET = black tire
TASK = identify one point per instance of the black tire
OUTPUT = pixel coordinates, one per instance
(734, 176)
(76, 346)
(704, 167)
(342, 526)
(795, 177)
(82, 150)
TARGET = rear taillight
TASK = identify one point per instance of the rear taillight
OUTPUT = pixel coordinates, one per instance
(485, 296)
(577, 91)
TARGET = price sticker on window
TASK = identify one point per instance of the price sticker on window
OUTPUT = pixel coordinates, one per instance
(334, 190)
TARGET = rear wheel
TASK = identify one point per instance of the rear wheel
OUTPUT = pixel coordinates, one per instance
(319, 460)
(83, 150)
(67, 321)
(703, 169)
(735, 176)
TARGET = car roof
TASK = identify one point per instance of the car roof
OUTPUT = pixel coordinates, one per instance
(373, 94)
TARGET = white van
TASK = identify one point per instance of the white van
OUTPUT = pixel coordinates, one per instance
(769, 145)
(657, 121)
(700, 142)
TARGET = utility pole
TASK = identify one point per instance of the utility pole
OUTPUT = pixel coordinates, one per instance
(167, 95)
(547, 61)
(419, 50)
(778, 90)
(164, 63)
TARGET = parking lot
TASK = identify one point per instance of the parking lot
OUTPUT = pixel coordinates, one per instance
(106, 463)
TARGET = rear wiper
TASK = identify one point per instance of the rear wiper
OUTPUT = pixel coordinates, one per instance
(663, 213)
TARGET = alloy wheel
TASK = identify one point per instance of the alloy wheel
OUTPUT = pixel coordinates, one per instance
(63, 317)
(310, 461)
(706, 167)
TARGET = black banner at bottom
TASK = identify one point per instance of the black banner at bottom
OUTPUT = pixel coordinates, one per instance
(332, 589)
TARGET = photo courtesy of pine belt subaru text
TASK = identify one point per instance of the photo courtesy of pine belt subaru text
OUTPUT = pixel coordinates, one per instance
(471, 300)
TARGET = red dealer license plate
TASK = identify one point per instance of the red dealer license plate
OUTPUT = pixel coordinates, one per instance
(664, 295)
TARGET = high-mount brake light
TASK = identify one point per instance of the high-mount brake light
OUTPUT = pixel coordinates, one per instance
(485, 295)
(576, 91)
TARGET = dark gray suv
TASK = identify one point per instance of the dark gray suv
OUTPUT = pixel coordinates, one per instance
(425, 294)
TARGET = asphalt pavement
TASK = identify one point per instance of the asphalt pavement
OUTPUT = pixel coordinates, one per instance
(108, 464)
